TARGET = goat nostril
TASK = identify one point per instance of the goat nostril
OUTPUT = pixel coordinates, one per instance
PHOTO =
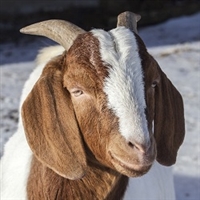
(130, 144)
(137, 147)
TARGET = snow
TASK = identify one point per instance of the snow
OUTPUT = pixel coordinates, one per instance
(175, 44)
(182, 67)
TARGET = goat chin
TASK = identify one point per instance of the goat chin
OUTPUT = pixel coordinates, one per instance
(129, 169)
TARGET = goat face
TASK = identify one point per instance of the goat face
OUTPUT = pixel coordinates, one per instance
(103, 95)
(114, 129)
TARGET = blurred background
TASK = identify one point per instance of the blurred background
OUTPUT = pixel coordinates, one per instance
(15, 14)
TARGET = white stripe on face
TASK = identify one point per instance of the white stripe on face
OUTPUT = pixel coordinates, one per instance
(124, 86)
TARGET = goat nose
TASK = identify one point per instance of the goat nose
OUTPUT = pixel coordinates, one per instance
(138, 147)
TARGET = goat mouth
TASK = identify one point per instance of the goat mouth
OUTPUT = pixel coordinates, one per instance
(127, 168)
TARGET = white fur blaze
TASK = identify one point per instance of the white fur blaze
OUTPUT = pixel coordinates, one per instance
(124, 86)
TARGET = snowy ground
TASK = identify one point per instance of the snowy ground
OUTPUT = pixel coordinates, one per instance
(176, 46)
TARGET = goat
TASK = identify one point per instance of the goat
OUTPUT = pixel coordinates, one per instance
(100, 120)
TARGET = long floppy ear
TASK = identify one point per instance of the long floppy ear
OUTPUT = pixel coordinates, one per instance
(169, 125)
(50, 125)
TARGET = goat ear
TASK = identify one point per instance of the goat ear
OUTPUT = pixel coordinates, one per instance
(169, 127)
(51, 127)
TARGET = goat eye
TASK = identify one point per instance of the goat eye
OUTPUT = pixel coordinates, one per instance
(77, 93)
(154, 84)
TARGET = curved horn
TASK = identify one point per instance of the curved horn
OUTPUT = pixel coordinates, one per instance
(129, 20)
(60, 31)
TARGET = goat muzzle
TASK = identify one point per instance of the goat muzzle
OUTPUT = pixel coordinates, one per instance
(131, 159)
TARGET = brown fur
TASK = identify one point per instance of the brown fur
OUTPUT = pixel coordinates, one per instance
(99, 183)
(74, 139)
(165, 107)
(50, 137)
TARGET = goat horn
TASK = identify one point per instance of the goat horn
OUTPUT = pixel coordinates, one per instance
(129, 20)
(60, 31)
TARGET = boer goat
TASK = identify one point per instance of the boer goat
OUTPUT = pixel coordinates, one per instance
(100, 120)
